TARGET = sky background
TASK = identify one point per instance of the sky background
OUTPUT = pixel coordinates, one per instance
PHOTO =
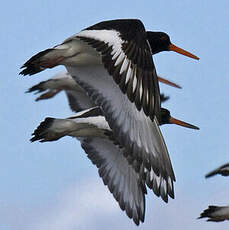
(53, 186)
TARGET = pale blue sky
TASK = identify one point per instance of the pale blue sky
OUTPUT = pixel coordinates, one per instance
(43, 183)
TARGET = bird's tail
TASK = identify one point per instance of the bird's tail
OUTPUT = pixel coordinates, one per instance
(207, 212)
(52, 129)
(45, 59)
(214, 213)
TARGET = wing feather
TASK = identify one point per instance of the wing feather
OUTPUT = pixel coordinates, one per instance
(140, 136)
(120, 177)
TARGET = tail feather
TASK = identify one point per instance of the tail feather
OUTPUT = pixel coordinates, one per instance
(52, 129)
(207, 212)
(41, 132)
(39, 62)
(38, 88)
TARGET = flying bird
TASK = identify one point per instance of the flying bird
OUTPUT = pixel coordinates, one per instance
(77, 97)
(215, 213)
(222, 170)
(123, 175)
(124, 48)
(112, 61)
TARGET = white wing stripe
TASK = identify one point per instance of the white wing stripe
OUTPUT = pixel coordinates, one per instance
(120, 58)
(124, 65)
(129, 74)
(134, 83)
(115, 54)
(140, 89)
(111, 37)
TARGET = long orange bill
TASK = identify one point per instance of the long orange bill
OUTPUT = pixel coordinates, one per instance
(167, 82)
(181, 51)
(181, 123)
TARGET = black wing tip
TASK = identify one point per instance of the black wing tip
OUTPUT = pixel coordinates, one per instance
(171, 194)
(211, 174)
(39, 133)
(136, 221)
(219, 171)
(165, 198)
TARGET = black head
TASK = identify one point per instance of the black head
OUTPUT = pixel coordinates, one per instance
(159, 41)
(166, 118)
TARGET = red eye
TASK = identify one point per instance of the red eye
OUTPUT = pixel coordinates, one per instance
(164, 38)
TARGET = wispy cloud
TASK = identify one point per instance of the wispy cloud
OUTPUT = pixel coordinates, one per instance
(78, 207)
(90, 205)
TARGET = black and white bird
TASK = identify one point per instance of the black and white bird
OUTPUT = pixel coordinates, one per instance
(112, 61)
(123, 175)
(77, 97)
(124, 48)
(215, 213)
(222, 170)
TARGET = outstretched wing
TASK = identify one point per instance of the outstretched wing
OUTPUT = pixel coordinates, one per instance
(222, 170)
(120, 177)
(123, 181)
(132, 128)
(126, 55)
(125, 52)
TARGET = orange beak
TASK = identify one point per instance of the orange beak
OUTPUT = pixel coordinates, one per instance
(181, 123)
(181, 51)
(167, 82)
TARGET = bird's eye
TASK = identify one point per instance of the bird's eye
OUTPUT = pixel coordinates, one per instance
(164, 38)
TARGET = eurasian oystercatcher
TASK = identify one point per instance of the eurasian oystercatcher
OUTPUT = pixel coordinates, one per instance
(110, 60)
(215, 213)
(123, 175)
(222, 170)
(77, 97)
